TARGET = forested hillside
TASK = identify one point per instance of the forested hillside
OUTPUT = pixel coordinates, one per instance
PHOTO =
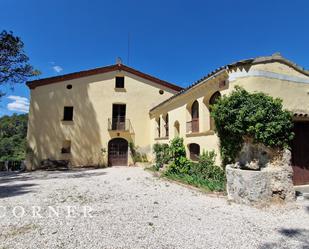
(13, 131)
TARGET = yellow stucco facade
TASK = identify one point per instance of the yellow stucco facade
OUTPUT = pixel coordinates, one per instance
(93, 97)
(273, 76)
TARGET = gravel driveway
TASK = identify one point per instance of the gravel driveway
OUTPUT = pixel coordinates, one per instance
(133, 209)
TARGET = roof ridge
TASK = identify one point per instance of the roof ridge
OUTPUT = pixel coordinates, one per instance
(49, 80)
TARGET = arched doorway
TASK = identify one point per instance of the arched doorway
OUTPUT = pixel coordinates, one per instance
(118, 152)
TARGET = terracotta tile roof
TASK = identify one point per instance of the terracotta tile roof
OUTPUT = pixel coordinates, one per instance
(41, 82)
(258, 60)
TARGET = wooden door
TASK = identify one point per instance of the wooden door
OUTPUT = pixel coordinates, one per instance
(300, 153)
(118, 152)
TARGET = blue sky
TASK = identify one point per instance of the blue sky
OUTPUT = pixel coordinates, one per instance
(178, 41)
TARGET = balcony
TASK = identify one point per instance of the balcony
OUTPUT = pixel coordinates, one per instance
(120, 124)
(193, 126)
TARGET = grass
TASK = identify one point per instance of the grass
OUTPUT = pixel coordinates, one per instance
(205, 184)
(152, 168)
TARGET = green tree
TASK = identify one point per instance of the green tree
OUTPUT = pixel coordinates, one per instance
(14, 66)
(253, 115)
(13, 132)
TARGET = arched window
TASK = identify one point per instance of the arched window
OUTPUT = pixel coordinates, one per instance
(195, 116)
(194, 151)
(176, 129)
(214, 98)
(212, 101)
(166, 125)
(194, 110)
(158, 127)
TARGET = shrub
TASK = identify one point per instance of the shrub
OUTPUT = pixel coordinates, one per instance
(206, 167)
(254, 115)
(180, 164)
(204, 174)
(162, 154)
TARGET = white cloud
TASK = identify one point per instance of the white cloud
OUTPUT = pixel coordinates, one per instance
(19, 104)
(57, 69)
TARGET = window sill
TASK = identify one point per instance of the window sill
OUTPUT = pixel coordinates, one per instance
(67, 122)
(120, 89)
(161, 138)
(198, 134)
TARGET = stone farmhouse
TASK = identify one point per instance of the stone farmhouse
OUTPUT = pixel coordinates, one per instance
(79, 116)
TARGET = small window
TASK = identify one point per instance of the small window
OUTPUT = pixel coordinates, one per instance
(119, 82)
(194, 151)
(161, 91)
(66, 147)
(69, 87)
(68, 113)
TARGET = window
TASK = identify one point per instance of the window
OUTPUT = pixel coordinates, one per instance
(119, 82)
(213, 99)
(166, 125)
(119, 117)
(68, 113)
(195, 117)
(194, 110)
(66, 147)
(69, 87)
(161, 92)
(194, 151)
(159, 127)
(177, 129)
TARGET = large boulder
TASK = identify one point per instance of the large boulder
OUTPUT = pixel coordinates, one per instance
(271, 183)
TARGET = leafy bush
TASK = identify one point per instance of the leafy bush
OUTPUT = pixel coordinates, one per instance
(204, 174)
(254, 115)
(180, 164)
(162, 154)
(206, 167)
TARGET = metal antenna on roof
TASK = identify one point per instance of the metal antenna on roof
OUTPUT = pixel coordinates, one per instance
(128, 48)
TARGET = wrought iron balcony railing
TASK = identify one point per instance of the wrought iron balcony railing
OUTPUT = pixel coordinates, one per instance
(120, 124)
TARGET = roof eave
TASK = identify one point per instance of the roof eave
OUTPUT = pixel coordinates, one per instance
(40, 82)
